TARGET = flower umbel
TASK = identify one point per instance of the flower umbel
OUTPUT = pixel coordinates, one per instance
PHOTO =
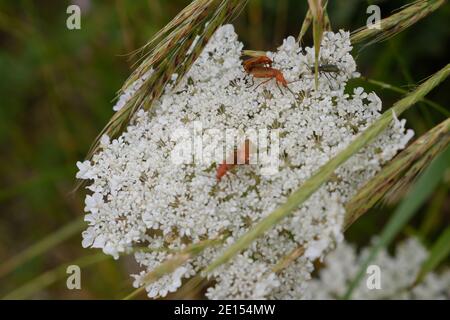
(140, 197)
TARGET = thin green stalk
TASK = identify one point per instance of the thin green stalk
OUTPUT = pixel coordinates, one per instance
(326, 20)
(393, 88)
(170, 33)
(317, 13)
(401, 186)
(401, 167)
(42, 246)
(439, 251)
(305, 26)
(171, 264)
(397, 22)
(288, 259)
(51, 276)
(325, 172)
(307, 22)
(228, 10)
(433, 219)
(404, 68)
(48, 278)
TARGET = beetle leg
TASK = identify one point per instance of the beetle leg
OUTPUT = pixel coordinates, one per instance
(252, 81)
(279, 87)
(328, 78)
(265, 81)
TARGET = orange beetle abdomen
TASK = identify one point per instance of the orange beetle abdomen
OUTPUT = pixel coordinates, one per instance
(222, 170)
(280, 78)
(269, 73)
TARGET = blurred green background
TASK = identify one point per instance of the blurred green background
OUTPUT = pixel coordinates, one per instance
(56, 92)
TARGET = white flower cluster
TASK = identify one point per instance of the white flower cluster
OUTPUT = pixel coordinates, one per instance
(141, 198)
(397, 275)
(244, 275)
(131, 91)
(167, 283)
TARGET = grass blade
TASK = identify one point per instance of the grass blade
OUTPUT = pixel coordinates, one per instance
(401, 170)
(170, 56)
(377, 187)
(315, 6)
(48, 278)
(326, 171)
(174, 262)
(42, 246)
(305, 26)
(423, 188)
(397, 22)
(393, 88)
(439, 251)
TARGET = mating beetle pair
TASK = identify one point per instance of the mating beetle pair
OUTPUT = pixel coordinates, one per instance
(261, 68)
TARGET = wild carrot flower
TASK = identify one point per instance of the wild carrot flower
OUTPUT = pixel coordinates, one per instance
(397, 274)
(142, 197)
